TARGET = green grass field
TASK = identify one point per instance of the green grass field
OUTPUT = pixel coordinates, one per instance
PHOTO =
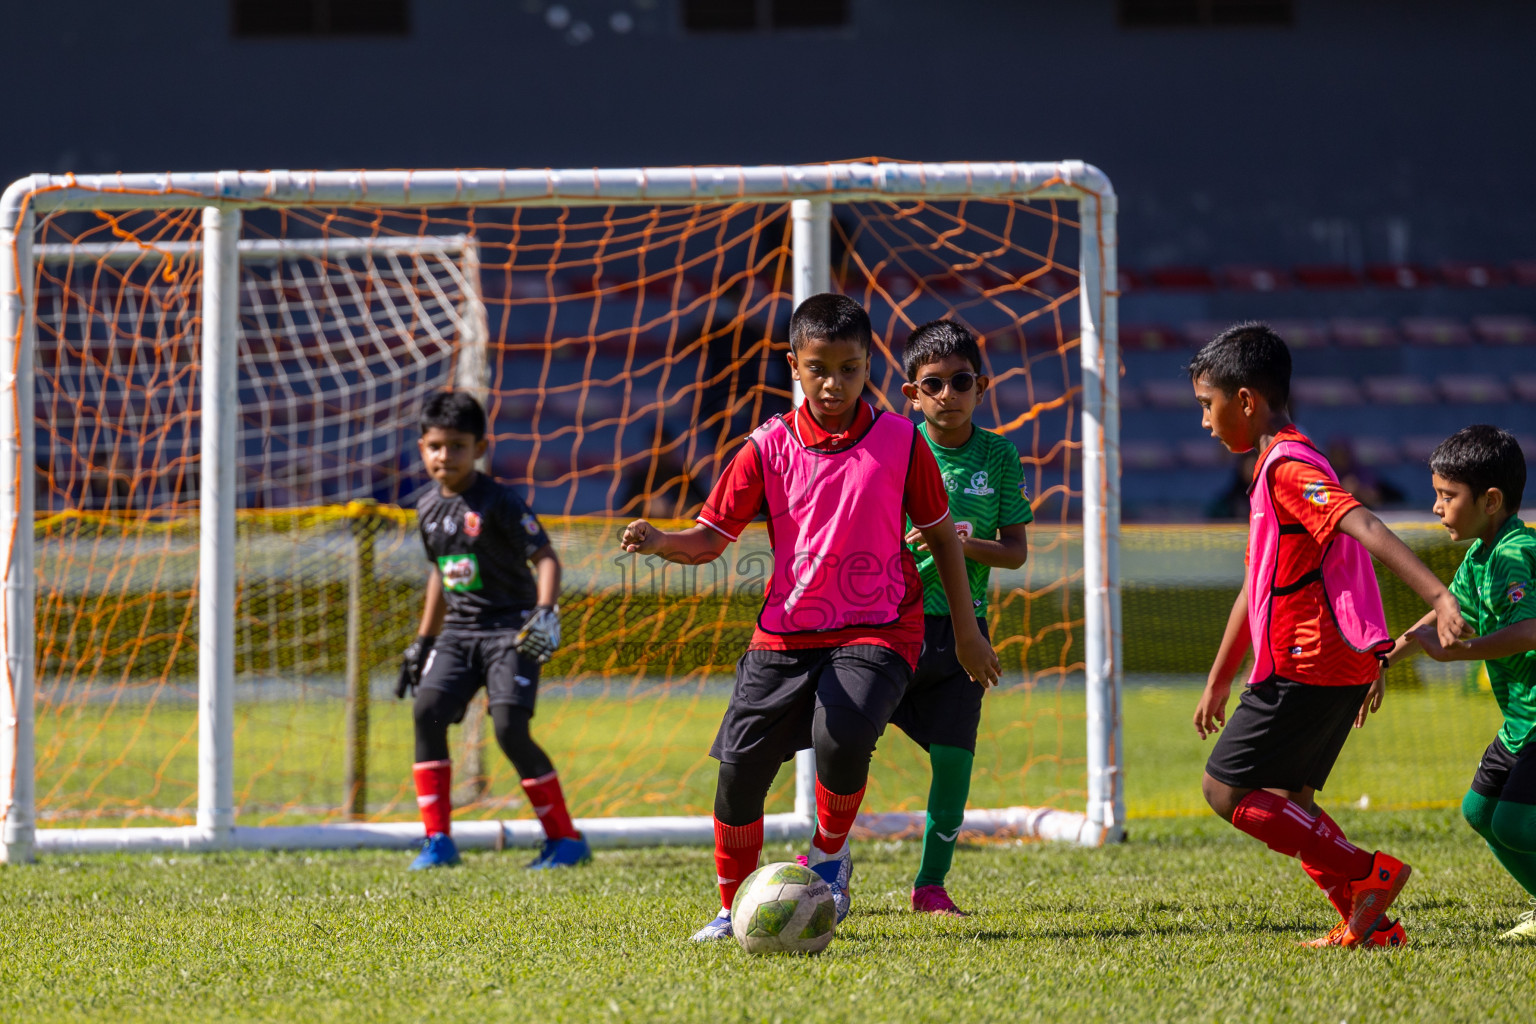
(1187, 921)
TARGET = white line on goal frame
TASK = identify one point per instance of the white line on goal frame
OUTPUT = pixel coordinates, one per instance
(810, 189)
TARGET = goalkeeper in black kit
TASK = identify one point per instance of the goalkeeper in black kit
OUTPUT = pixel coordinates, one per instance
(490, 620)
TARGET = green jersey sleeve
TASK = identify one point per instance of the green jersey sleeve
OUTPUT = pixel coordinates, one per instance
(1510, 578)
(1013, 496)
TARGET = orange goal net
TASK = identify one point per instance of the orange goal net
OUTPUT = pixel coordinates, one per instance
(623, 347)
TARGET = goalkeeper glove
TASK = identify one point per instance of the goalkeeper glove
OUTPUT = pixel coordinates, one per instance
(540, 636)
(412, 663)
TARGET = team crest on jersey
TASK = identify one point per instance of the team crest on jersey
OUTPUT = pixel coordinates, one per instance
(1516, 592)
(472, 524)
(979, 484)
(950, 484)
(1316, 492)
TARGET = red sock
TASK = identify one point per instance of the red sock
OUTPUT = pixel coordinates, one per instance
(1335, 887)
(1285, 828)
(549, 804)
(737, 848)
(434, 789)
(834, 817)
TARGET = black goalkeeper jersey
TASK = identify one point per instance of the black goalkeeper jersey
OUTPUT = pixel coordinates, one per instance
(480, 542)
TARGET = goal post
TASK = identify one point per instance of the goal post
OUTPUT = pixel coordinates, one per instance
(811, 195)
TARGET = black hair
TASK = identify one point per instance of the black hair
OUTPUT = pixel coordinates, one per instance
(1246, 355)
(830, 317)
(939, 339)
(1482, 457)
(454, 410)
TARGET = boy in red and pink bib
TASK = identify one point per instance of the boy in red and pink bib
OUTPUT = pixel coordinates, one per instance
(841, 625)
(1310, 610)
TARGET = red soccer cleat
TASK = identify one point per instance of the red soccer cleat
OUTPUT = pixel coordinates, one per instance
(1372, 895)
(1388, 934)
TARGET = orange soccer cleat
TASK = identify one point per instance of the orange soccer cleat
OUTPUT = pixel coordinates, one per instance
(1389, 934)
(1372, 895)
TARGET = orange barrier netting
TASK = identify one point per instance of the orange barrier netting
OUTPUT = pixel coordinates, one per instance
(627, 351)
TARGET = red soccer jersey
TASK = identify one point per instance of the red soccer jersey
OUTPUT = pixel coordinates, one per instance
(737, 499)
(1309, 506)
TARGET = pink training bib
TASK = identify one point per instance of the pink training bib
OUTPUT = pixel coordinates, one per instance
(1346, 576)
(835, 522)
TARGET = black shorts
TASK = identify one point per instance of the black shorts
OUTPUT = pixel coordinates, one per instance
(777, 693)
(1502, 775)
(460, 663)
(1285, 735)
(943, 704)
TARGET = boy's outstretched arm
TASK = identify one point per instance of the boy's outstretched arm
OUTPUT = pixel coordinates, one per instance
(1516, 638)
(1211, 711)
(693, 546)
(1362, 524)
(976, 656)
(1408, 643)
(1009, 551)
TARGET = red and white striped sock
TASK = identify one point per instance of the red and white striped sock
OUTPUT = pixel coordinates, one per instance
(834, 817)
(548, 803)
(1335, 887)
(737, 849)
(1285, 828)
(434, 789)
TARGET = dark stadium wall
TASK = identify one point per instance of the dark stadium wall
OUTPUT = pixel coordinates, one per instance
(1363, 132)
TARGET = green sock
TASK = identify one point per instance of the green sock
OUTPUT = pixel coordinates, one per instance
(946, 811)
(1492, 818)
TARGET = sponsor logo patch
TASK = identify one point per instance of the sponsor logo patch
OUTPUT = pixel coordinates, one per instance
(1516, 592)
(472, 524)
(1316, 492)
(964, 529)
(531, 524)
(979, 484)
(461, 573)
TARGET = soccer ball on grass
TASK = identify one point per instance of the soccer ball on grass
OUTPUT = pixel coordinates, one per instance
(783, 908)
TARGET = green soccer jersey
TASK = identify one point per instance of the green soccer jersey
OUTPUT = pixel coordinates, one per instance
(1494, 588)
(986, 491)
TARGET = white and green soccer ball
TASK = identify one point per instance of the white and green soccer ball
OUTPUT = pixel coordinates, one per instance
(783, 908)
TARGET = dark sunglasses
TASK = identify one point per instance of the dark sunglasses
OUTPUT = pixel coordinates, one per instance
(960, 383)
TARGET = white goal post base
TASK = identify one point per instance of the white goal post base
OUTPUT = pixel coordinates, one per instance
(602, 833)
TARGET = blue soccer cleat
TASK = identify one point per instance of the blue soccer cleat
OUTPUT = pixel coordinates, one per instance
(836, 869)
(561, 853)
(438, 851)
(719, 928)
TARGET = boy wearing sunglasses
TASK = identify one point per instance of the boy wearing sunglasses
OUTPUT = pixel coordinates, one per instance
(942, 707)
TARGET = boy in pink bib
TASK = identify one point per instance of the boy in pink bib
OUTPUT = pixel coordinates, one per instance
(842, 620)
(1310, 610)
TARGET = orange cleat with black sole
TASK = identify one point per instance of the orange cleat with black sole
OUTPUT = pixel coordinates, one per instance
(1371, 896)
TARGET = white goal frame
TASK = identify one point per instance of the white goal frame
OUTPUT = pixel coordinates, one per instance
(809, 189)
